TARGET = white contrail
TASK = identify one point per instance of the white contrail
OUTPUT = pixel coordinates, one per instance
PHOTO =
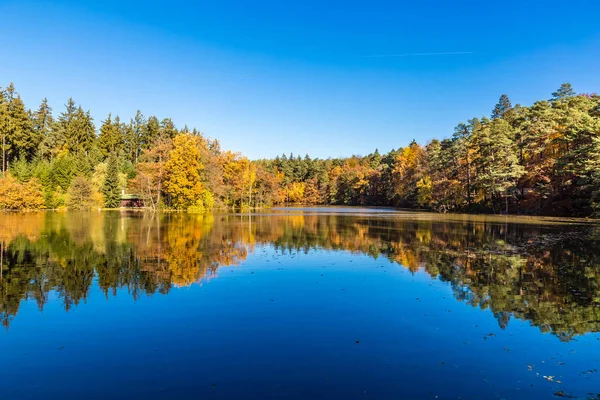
(447, 53)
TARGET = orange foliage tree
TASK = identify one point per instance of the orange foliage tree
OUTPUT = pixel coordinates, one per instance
(20, 196)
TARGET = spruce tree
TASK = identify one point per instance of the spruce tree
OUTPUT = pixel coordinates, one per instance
(167, 129)
(62, 170)
(502, 107)
(150, 133)
(18, 136)
(110, 189)
(3, 129)
(110, 140)
(82, 165)
(83, 132)
(135, 136)
(21, 169)
(42, 125)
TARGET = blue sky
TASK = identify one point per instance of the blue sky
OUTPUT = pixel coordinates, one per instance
(279, 76)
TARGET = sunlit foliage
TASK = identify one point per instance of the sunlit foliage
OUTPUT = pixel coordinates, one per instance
(541, 159)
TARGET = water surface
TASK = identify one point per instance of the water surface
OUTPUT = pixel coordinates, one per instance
(298, 303)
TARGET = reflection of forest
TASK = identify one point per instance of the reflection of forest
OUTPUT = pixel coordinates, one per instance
(539, 273)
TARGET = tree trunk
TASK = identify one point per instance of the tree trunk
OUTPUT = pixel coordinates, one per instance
(3, 153)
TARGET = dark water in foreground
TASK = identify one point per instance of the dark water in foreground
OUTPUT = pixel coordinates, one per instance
(294, 304)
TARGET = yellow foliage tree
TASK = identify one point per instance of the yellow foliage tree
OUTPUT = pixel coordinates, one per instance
(20, 196)
(295, 192)
(408, 171)
(424, 191)
(240, 175)
(183, 182)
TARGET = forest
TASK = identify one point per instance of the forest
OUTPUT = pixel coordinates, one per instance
(542, 159)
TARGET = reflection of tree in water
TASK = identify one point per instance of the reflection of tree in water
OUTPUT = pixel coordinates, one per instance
(545, 274)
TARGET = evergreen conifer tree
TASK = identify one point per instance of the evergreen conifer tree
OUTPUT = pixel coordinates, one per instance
(111, 189)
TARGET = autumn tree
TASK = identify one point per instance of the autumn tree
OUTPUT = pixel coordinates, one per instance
(151, 173)
(535, 159)
(408, 170)
(15, 195)
(183, 181)
(80, 194)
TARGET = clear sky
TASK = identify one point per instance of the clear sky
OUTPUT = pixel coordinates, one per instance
(328, 78)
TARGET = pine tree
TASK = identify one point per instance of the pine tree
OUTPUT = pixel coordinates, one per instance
(111, 189)
(42, 125)
(497, 162)
(62, 170)
(83, 132)
(502, 107)
(135, 136)
(21, 169)
(3, 129)
(150, 133)
(57, 140)
(563, 93)
(110, 140)
(167, 129)
(18, 138)
(74, 131)
(375, 159)
(82, 165)
(461, 152)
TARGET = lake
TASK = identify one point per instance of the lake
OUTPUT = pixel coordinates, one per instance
(298, 303)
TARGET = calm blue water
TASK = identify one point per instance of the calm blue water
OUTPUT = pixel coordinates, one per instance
(299, 307)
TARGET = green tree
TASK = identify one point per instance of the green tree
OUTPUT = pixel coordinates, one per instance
(502, 107)
(497, 163)
(563, 93)
(62, 170)
(42, 125)
(167, 129)
(74, 130)
(110, 140)
(21, 169)
(111, 188)
(134, 137)
(18, 137)
(592, 165)
(150, 133)
(80, 194)
(83, 133)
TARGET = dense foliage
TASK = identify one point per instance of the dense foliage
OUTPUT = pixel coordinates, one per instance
(542, 159)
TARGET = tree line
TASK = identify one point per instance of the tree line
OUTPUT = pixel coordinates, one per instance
(541, 159)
